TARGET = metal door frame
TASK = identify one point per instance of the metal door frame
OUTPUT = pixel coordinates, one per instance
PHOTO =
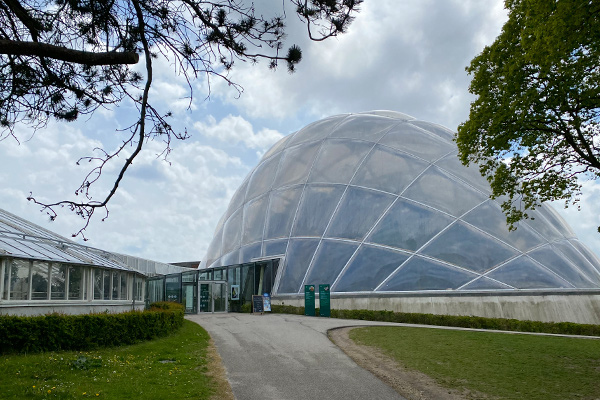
(212, 299)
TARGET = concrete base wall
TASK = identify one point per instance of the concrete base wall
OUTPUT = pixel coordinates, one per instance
(572, 307)
(67, 307)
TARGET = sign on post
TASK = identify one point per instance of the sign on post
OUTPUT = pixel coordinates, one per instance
(324, 303)
(309, 300)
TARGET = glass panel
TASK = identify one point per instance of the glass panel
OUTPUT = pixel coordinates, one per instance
(214, 249)
(75, 283)
(173, 288)
(416, 141)
(39, 281)
(19, 280)
(296, 164)
(124, 291)
(470, 174)
(115, 285)
(358, 212)
(369, 268)
(107, 285)
(251, 251)
(232, 232)
(275, 247)
(316, 207)
(436, 129)
(523, 273)
(556, 220)
(589, 255)
(57, 286)
(316, 131)
(543, 227)
(568, 250)
(421, 274)
(205, 275)
(408, 226)
(231, 258)
(468, 248)
(338, 160)
(278, 146)
(300, 253)
(484, 283)
(220, 297)
(205, 297)
(254, 220)
(330, 259)
(365, 127)
(282, 209)
(97, 284)
(220, 274)
(439, 190)
(390, 114)
(489, 217)
(388, 170)
(247, 288)
(556, 262)
(5, 295)
(238, 198)
(262, 178)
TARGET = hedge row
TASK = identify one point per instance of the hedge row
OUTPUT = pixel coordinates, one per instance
(503, 324)
(55, 332)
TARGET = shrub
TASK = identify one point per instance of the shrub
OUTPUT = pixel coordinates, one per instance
(55, 332)
(461, 321)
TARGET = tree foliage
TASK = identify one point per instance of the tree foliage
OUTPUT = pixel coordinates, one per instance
(63, 59)
(534, 127)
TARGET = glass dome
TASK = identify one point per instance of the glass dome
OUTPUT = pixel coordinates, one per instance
(379, 202)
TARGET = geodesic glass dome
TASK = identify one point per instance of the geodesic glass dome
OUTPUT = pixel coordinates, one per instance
(379, 202)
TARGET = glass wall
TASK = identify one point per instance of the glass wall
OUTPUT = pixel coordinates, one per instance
(39, 280)
(20, 272)
(58, 276)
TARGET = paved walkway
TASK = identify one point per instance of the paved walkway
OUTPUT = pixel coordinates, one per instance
(282, 356)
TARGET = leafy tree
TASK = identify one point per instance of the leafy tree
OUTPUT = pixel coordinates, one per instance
(534, 127)
(62, 59)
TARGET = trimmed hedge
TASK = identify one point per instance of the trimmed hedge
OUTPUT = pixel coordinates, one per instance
(502, 324)
(55, 332)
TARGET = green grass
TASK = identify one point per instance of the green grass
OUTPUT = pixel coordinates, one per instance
(506, 366)
(173, 367)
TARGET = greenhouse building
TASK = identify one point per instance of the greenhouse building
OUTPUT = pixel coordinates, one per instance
(378, 206)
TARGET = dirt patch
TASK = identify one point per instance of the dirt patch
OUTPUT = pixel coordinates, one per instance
(217, 371)
(410, 384)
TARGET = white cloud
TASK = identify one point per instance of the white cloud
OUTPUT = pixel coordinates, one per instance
(235, 129)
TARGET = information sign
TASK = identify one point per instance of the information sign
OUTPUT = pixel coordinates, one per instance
(257, 304)
(266, 302)
(309, 300)
(235, 292)
(324, 303)
(205, 297)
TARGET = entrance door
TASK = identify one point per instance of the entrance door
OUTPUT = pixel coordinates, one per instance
(213, 296)
(190, 300)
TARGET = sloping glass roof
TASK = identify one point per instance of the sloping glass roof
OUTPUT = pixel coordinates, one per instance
(379, 202)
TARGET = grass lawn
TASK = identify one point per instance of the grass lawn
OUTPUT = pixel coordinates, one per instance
(505, 366)
(174, 367)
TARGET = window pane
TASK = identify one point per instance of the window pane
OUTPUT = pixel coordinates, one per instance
(471, 174)
(254, 220)
(124, 291)
(358, 212)
(300, 253)
(409, 226)
(316, 207)
(262, 178)
(523, 273)
(275, 247)
(369, 268)
(98, 284)
(439, 190)
(548, 257)
(19, 280)
(296, 164)
(331, 257)
(416, 141)
(59, 274)
(337, 160)
(422, 274)
(490, 218)
(281, 211)
(468, 248)
(381, 170)
(370, 128)
(232, 232)
(107, 285)
(39, 281)
(250, 252)
(75, 283)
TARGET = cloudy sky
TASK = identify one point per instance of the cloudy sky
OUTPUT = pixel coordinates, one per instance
(407, 56)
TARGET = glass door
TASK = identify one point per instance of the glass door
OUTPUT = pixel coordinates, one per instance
(213, 296)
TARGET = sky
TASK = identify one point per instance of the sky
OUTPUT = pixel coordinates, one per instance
(408, 56)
